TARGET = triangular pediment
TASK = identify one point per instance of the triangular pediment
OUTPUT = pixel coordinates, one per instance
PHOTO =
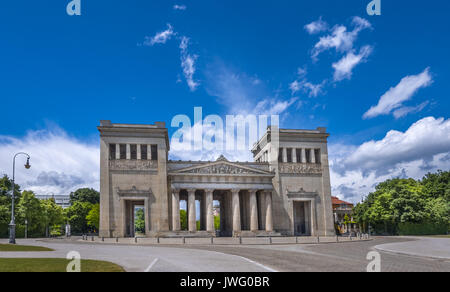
(222, 167)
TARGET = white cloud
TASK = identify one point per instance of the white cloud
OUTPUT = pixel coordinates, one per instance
(301, 72)
(403, 111)
(403, 91)
(316, 26)
(340, 38)
(185, 149)
(188, 64)
(311, 89)
(59, 163)
(237, 93)
(179, 7)
(425, 138)
(160, 37)
(424, 147)
(344, 67)
(273, 106)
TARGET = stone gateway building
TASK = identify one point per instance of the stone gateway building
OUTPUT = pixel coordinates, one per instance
(286, 191)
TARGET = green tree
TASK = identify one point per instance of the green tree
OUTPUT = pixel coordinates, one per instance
(93, 217)
(85, 195)
(76, 215)
(217, 222)
(437, 184)
(30, 209)
(139, 220)
(183, 220)
(5, 201)
(52, 214)
(407, 206)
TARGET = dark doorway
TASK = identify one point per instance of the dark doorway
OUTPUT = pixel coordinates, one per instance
(301, 219)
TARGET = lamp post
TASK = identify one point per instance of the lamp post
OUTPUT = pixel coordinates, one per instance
(12, 225)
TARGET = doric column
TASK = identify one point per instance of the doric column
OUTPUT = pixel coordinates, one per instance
(176, 224)
(117, 151)
(253, 211)
(147, 217)
(312, 155)
(128, 152)
(269, 219)
(138, 151)
(294, 155)
(236, 210)
(304, 155)
(284, 154)
(192, 222)
(313, 216)
(209, 211)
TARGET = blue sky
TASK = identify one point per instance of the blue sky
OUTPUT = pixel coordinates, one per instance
(122, 60)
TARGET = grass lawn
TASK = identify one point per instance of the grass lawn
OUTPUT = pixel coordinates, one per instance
(54, 265)
(15, 247)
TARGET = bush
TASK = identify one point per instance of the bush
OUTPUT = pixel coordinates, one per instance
(422, 229)
(55, 231)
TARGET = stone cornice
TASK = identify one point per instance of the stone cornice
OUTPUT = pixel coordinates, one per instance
(133, 192)
(301, 194)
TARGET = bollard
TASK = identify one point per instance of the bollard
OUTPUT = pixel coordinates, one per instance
(184, 240)
(270, 239)
(135, 239)
(240, 240)
(157, 240)
(103, 239)
(318, 239)
(117, 239)
(296, 239)
(337, 238)
(92, 238)
(212, 240)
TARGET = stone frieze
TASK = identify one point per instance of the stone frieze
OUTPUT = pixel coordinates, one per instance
(300, 168)
(124, 164)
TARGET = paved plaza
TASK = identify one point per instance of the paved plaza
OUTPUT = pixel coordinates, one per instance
(408, 254)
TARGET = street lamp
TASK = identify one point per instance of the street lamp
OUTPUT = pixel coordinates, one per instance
(12, 225)
(26, 228)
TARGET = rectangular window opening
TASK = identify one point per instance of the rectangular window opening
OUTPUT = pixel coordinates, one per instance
(123, 151)
(112, 151)
(144, 152)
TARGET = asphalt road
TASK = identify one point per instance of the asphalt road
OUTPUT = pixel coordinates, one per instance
(143, 258)
(330, 257)
(338, 257)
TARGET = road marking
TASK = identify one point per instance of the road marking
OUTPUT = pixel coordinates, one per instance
(258, 264)
(248, 260)
(151, 265)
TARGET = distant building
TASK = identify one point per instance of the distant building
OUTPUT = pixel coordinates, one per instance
(61, 200)
(340, 209)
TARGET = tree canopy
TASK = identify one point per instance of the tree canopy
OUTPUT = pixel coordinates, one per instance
(400, 204)
(85, 195)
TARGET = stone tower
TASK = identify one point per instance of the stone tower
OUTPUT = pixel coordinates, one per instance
(302, 191)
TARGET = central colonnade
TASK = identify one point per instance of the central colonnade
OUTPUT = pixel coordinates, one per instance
(240, 210)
